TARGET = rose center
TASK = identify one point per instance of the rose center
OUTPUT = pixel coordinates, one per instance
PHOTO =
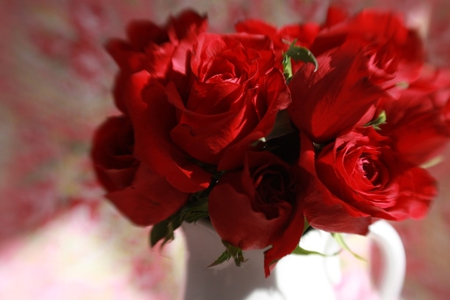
(369, 170)
(124, 141)
(271, 187)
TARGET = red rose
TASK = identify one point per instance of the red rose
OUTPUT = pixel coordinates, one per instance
(322, 208)
(361, 174)
(135, 190)
(112, 152)
(419, 121)
(302, 34)
(160, 50)
(259, 206)
(396, 53)
(336, 98)
(231, 101)
(153, 117)
(361, 60)
(164, 176)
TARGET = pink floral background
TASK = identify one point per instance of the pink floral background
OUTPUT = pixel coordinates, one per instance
(58, 238)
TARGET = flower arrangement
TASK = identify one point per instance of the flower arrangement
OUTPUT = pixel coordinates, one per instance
(269, 131)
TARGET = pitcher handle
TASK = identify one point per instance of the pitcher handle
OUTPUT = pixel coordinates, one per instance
(394, 260)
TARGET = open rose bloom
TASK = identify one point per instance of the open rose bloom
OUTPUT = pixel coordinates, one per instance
(263, 143)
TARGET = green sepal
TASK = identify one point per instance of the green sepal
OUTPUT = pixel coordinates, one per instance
(305, 225)
(230, 252)
(225, 256)
(159, 232)
(164, 230)
(378, 121)
(297, 53)
(196, 209)
(340, 240)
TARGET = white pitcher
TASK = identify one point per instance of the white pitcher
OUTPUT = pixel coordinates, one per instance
(294, 277)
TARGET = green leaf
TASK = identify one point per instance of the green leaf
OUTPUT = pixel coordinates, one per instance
(340, 240)
(301, 251)
(378, 121)
(297, 53)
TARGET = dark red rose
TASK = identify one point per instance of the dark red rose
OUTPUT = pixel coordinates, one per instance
(112, 153)
(160, 50)
(419, 121)
(259, 206)
(302, 34)
(336, 98)
(361, 174)
(232, 100)
(137, 192)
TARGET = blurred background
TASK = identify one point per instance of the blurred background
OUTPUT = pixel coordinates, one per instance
(58, 238)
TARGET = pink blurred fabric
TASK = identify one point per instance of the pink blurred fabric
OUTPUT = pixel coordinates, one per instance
(55, 81)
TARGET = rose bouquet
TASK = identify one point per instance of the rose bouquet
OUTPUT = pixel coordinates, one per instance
(268, 131)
